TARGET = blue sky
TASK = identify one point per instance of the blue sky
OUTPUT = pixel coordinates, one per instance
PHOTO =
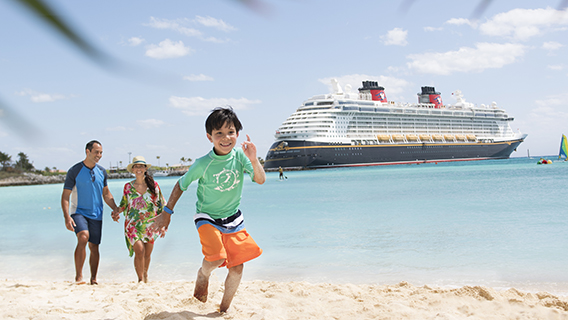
(180, 59)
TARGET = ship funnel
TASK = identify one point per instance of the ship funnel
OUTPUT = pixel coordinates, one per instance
(377, 92)
(429, 95)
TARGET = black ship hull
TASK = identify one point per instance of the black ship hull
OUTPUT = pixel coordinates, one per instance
(306, 154)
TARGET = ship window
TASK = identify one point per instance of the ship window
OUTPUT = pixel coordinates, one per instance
(309, 104)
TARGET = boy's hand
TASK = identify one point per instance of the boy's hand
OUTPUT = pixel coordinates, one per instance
(160, 223)
(249, 149)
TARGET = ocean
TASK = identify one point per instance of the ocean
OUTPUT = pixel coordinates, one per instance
(498, 223)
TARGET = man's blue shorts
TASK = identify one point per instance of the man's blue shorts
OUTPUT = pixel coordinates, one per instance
(95, 227)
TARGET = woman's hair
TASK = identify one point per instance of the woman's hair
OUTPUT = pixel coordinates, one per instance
(150, 182)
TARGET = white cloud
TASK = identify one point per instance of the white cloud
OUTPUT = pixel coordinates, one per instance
(198, 77)
(175, 25)
(42, 97)
(483, 56)
(396, 37)
(198, 106)
(393, 86)
(522, 24)
(135, 41)
(552, 45)
(556, 67)
(460, 22)
(432, 29)
(215, 23)
(550, 112)
(168, 49)
(150, 123)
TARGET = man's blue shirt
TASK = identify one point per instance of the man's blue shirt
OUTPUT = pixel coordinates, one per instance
(86, 187)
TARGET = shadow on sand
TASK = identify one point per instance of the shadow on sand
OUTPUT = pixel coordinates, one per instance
(182, 315)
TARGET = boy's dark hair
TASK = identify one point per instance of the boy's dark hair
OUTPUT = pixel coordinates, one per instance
(90, 145)
(221, 115)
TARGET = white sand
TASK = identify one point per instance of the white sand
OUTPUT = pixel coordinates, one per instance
(271, 301)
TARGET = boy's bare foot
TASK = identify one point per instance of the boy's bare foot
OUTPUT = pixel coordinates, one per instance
(94, 281)
(201, 287)
(79, 280)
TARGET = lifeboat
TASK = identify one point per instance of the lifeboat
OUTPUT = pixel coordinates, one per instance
(398, 137)
(437, 137)
(471, 137)
(411, 137)
(460, 137)
(383, 137)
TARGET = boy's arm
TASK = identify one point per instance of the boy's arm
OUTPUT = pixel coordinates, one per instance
(250, 151)
(259, 175)
(162, 221)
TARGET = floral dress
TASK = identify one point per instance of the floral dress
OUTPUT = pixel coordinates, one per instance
(138, 209)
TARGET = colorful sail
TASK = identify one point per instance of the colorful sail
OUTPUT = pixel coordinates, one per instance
(563, 148)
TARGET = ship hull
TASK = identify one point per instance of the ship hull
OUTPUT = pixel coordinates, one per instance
(306, 154)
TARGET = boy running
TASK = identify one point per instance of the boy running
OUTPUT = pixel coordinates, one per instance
(219, 222)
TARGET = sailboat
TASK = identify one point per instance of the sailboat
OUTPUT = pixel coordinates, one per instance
(563, 148)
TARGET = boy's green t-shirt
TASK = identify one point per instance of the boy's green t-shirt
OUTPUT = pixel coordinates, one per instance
(220, 182)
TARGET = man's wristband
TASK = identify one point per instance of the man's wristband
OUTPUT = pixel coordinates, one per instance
(168, 210)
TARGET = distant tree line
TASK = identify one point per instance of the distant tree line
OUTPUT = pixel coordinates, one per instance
(22, 164)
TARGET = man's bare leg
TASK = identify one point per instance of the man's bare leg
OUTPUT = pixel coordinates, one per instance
(202, 283)
(231, 285)
(94, 261)
(80, 255)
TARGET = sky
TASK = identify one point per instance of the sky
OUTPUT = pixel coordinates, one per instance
(172, 62)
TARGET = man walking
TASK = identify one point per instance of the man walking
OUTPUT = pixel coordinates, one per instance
(84, 190)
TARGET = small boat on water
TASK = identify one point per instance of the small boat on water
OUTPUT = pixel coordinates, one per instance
(161, 173)
(563, 148)
(544, 161)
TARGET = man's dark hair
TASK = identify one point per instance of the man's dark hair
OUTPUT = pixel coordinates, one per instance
(221, 115)
(90, 145)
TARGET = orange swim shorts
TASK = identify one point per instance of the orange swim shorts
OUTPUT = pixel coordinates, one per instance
(236, 248)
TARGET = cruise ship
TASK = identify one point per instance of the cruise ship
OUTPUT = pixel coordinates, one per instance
(345, 129)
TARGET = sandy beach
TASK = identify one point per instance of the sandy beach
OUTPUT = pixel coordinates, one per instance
(271, 300)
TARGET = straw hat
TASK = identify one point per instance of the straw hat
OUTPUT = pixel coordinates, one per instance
(137, 160)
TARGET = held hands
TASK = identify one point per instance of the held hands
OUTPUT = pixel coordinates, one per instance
(116, 214)
(249, 149)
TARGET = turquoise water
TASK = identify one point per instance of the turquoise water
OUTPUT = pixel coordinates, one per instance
(500, 223)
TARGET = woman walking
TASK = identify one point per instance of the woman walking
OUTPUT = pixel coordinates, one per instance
(142, 200)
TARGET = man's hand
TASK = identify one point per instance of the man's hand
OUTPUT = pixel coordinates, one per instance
(70, 223)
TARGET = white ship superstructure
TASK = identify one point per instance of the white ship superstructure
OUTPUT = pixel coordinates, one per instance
(367, 118)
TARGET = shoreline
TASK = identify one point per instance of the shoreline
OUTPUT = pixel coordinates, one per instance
(272, 300)
(28, 179)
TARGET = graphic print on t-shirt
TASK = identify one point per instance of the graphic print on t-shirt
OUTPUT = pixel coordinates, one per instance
(227, 180)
